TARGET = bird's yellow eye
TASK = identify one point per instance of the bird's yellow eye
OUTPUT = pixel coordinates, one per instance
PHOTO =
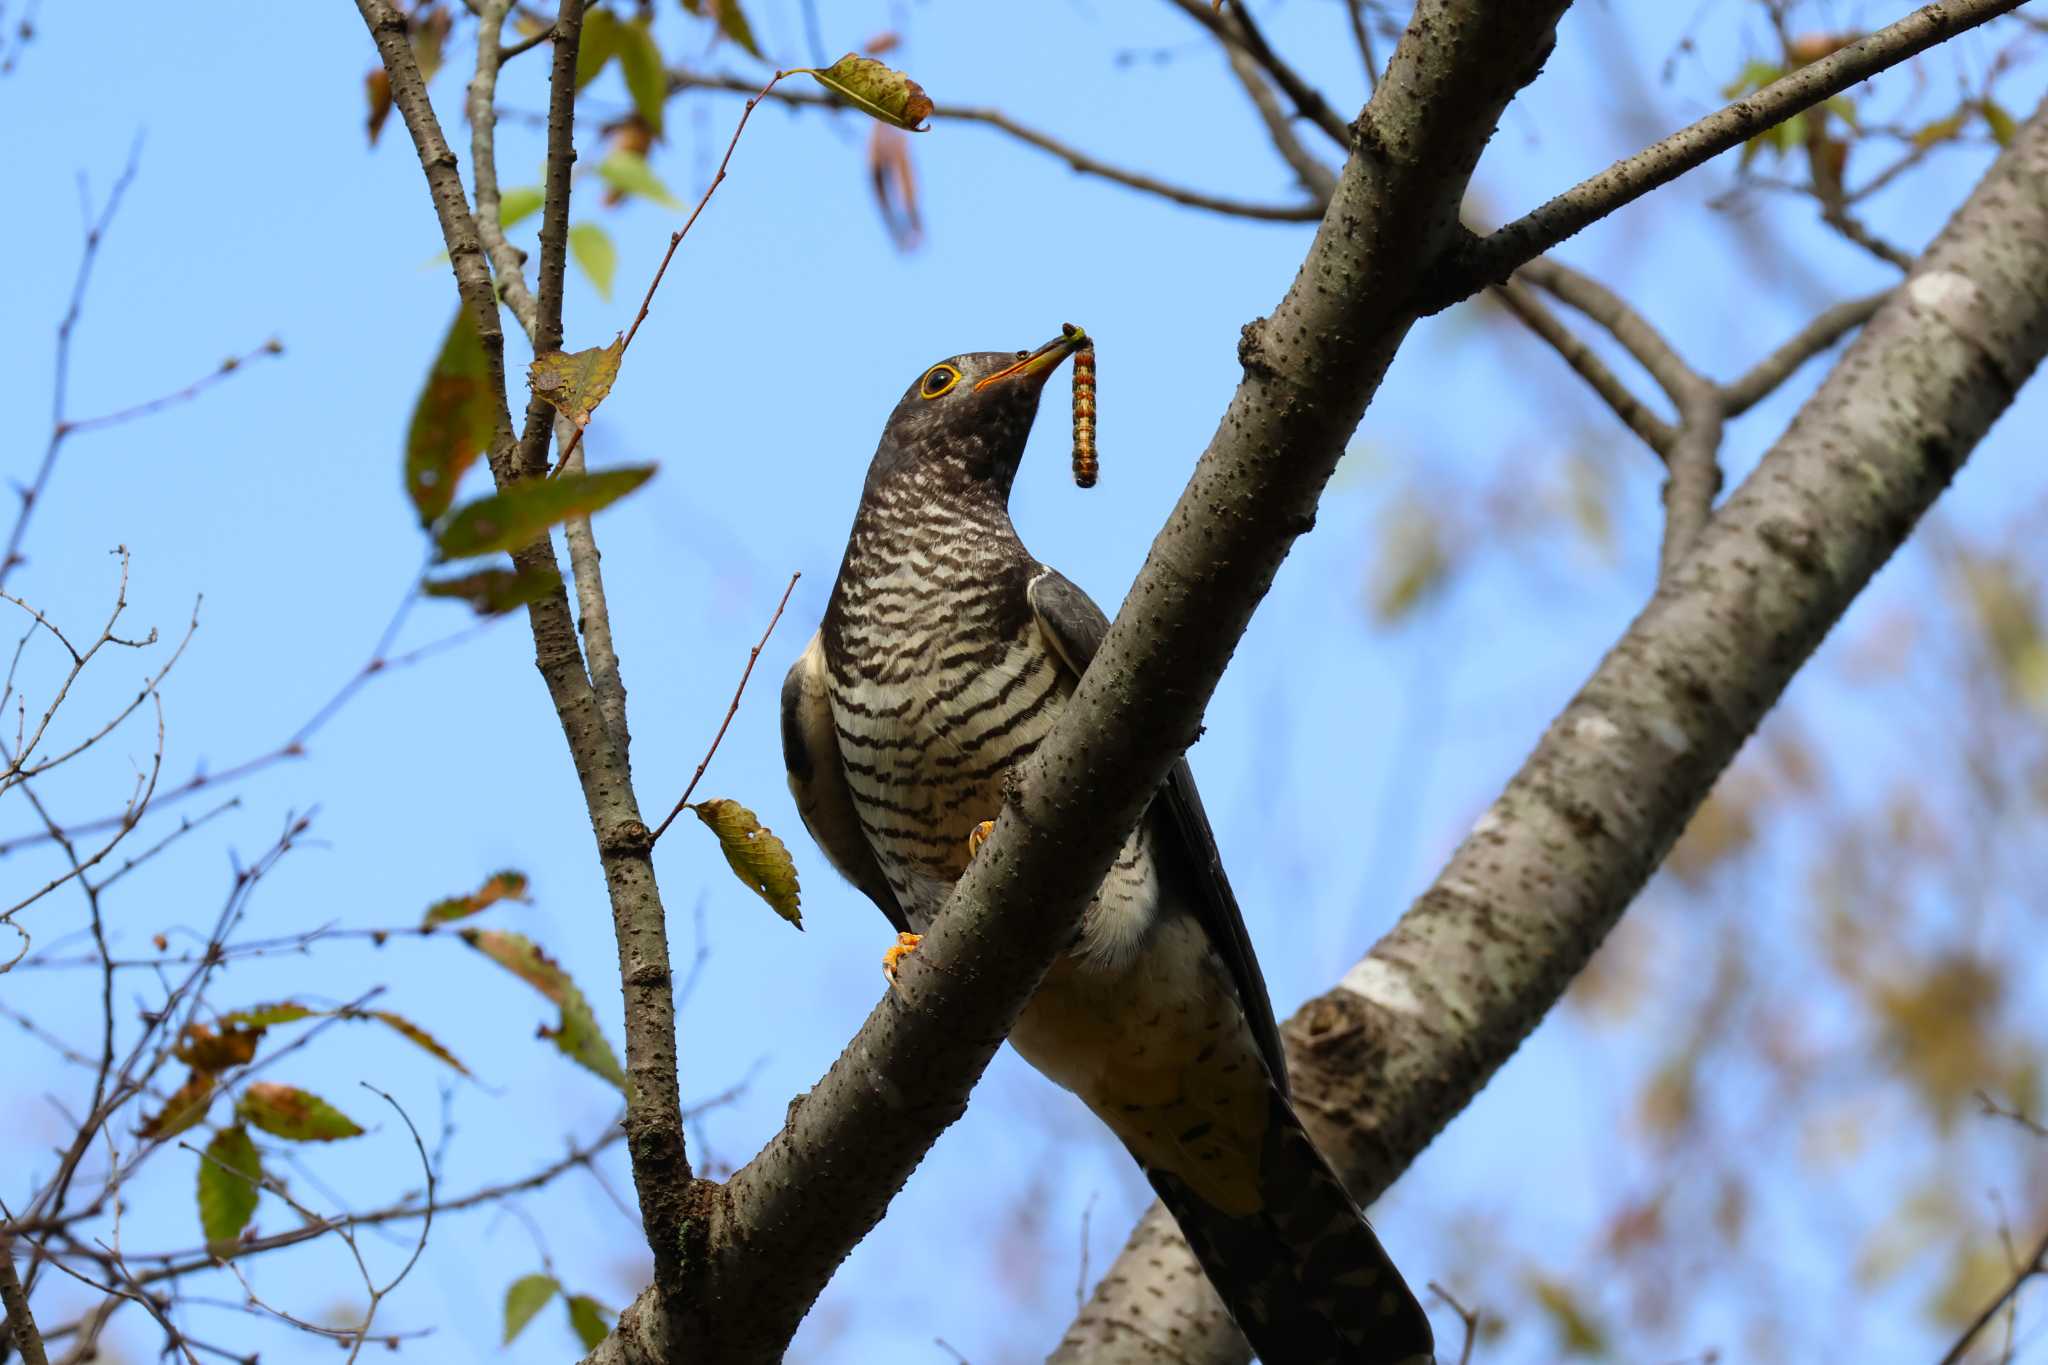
(939, 381)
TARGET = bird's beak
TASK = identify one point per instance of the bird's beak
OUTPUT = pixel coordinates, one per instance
(1036, 367)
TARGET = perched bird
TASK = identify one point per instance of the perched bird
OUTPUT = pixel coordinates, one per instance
(945, 655)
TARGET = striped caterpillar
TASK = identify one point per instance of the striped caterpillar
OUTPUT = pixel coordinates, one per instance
(1086, 465)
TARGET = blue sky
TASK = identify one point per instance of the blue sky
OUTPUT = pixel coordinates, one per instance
(1341, 761)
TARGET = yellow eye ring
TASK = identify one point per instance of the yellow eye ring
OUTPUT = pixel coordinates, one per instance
(938, 382)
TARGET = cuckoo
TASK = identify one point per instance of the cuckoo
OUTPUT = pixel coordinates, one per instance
(945, 655)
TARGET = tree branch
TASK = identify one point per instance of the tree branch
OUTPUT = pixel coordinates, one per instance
(1083, 162)
(1385, 1060)
(1774, 369)
(1498, 255)
(1234, 28)
(654, 1128)
(785, 1221)
(1655, 432)
(1315, 177)
(21, 1323)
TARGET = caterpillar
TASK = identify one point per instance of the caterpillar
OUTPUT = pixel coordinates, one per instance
(1086, 465)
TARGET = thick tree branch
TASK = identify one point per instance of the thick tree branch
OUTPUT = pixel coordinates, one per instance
(1501, 253)
(1385, 1060)
(654, 1128)
(784, 1222)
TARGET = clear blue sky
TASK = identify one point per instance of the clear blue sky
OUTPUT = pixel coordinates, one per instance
(1341, 761)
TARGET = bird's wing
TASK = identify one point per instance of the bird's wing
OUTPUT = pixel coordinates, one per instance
(810, 750)
(1074, 626)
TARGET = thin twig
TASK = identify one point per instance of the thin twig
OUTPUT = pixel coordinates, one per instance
(232, 365)
(1468, 1316)
(731, 710)
(1655, 432)
(2036, 1264)
(1775, 368)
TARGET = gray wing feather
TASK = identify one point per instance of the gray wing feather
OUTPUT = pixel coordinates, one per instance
(810, 750)
(1075, 626)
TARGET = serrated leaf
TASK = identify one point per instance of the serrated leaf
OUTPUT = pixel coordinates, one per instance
(733, 24)
(502, 886)
(230, 1178)
(417, 1036)
(186, 1106)
(505, 521)
(876, 90)
(575, 382)
(595, 256)
(517, 205)
(646, 76)
(452, 421)
(293, 1114)
(757, 857)
(493, 592)
(628, 173)
(597, 46)
(263, 1016)
(587, 1318)
(578, 1035)
(527, 1295)
(200, 1048)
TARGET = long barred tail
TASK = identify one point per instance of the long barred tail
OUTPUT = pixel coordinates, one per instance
(1305, 1278)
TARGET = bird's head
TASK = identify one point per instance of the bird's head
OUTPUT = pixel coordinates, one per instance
(963, 422)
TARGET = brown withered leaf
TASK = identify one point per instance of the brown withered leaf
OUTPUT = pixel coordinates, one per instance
(895, 185)
(578, 1035)
(575, 382)
(204, 1050)
(186, 1106)
(502, 886)
(377, 93)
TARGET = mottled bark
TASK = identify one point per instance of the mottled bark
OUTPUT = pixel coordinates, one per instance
(1411, 1033)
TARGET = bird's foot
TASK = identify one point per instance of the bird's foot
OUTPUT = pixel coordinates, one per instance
(978, 836)
(892, 958)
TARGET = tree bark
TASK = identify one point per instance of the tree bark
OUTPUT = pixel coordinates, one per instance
(1383, 1061)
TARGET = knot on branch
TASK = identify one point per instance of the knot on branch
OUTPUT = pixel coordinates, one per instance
(1252, 351)
(1453, 274)
(627, 839)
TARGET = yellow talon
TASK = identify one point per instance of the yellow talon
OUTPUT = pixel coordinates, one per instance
(892, 958)
(978, 836)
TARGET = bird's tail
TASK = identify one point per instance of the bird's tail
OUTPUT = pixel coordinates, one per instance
(1305, 1277)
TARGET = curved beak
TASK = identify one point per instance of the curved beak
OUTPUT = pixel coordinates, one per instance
(1037, 366)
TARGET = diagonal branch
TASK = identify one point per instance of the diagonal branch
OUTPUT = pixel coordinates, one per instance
(1383, 1061)
(1234, 27)
(1655, 432)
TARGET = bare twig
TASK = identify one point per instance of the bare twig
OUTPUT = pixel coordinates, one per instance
(1468, 1316)
(1084, 163)
(1993, 1109)
(1655, 432)
(1775, 368)
(1499, 254)
(1319, 180)
(732, 710)
(1235, 28)
(2035, 1264)
(232, 365)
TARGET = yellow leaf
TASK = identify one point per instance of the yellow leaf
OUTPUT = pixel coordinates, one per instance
(575, 382)
(502, 886)
(578, 1036)
(297, 1115)
(757, 857)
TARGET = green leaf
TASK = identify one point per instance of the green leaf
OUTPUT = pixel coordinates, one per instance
(493, 592)
(578, 1037)
(529, 1293)
(575, 382)
(757, 857)
(186, 1106)
(1754, 76)
(293, 1114)
(452, 422)
(628, 173)
(228, 1186)
(263, 1016)
(505, 521)
(597, 46)
(587, 1317)
(876, 90)
(733, 24)
(517, 205)
(502, 886)
(646, 76)
(595, 255)
(1941, 130)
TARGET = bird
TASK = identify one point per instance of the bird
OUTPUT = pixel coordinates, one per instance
(945, 654)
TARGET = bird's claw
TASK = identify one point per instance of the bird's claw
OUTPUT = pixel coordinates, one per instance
(893, 956)
(978, 836)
